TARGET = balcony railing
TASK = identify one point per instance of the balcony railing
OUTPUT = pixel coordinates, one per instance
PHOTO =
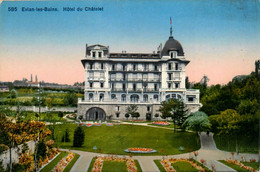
(173, 79)
(96, 79)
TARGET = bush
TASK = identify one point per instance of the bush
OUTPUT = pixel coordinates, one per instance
(65, 137)
(79, 135)
(41, 150)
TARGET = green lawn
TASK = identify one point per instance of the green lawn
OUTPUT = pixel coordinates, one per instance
(235, 167)
(159, 165)
(53, 163)
(183, 166)
(246, 144)
(254, 165)
(115, 166)
(114, 140)
(73, 161)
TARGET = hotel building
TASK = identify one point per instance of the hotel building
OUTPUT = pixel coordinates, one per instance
(113, 81)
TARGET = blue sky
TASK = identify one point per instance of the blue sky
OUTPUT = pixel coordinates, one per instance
(213, 34)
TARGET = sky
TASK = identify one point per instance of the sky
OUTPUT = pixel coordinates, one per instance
(220, 38)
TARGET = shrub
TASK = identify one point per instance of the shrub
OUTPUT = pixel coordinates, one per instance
(65, 137)
(79, 135)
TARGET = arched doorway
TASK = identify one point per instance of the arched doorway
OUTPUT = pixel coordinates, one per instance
(95, 113)
(148, 117)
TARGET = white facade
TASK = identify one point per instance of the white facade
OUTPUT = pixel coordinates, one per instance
(113, 81)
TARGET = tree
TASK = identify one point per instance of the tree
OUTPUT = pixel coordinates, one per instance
(79, 135)
(228, 123)
(49, 103)
(127, 115)
(204, 81)
(13, 94)
(70, 99)
(60, 114)
(65, 137)
(198, 122)
(20, 132)
(248, 107)
(187, 83)
(156, 115)
(132, 110)
(80, 117)
(175, 109)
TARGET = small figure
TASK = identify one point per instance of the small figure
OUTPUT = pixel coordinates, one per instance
(208, 133)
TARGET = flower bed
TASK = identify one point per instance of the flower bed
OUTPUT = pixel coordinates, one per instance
(86, 124)
(166, 163)
(63, 163)
(161, 123)
(98, 165)
(140, 150)
(240, 164)
(109, 124)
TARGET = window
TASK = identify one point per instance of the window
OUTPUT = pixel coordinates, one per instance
(155, 87)
(155, 97)
(101, 84)
(124, 87)
(113, 96)
(91, 85)
(93, 54)
(124, 76)
(123, 97)
(113, 67)
(146, 67)
(134, 67)
(134, 87)
(134, 98)
(118, 108)
(145, 86)
(176, 85)
(117, 115)
(99, 54)
(190, 99)
(90, 66)
(169, 66)
(173, 55)
(112, 86)
(90, 96)
(169, 76)
(169, 85)
(176, 66)
(102, 66)
(155, 67)
(148, 108)
(145, 98)
(101, 97)
(124, 67)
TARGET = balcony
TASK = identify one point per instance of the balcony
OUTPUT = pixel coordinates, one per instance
(134, 71)
(96, 79)
(173, 79)
(95, 69)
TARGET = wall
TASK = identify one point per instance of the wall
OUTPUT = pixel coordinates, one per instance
(45, 109)
(5, 156)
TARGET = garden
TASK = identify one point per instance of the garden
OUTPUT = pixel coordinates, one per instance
(120, 164)
(180, 165)
(122, 137)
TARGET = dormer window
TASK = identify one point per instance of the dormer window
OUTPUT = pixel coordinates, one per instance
(172, 54)
(99, 54)
(93, 54)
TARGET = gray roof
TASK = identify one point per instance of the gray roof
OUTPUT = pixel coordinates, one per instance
(172, 45)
